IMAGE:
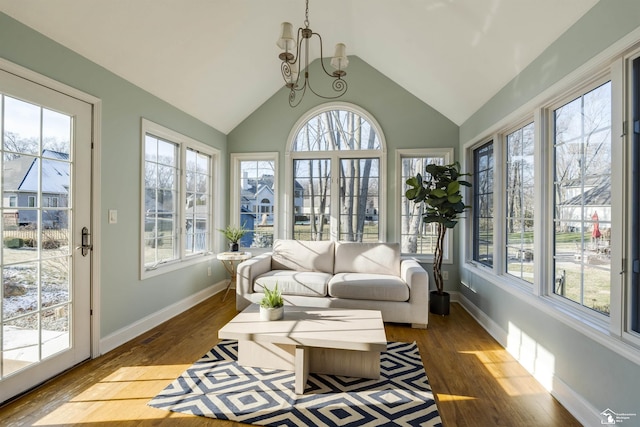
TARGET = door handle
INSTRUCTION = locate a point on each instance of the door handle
(86, 245)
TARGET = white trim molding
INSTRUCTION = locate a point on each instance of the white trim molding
(149, 322)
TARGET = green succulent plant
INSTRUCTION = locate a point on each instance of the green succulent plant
(272, 298)
(233, 233)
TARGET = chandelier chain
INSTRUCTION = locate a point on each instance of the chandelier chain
(306, 15)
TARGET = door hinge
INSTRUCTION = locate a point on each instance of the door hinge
(91, 312)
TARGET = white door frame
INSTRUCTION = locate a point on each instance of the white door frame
(95, 220)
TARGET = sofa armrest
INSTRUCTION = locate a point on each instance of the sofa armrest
(417, 279)
(247, 271)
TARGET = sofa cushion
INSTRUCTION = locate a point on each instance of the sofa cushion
(366, 286)
(376, 258)
(306, 283)
(302, 256)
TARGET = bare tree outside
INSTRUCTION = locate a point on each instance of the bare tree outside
(343, 135)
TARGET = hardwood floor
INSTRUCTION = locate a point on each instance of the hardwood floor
(475, 381)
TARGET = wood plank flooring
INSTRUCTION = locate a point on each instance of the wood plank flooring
(475, 381)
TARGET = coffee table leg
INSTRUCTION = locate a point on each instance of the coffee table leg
(301, 368)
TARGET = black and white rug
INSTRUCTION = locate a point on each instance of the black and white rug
(217, 387)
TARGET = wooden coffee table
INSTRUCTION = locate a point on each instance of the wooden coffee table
(320, 340)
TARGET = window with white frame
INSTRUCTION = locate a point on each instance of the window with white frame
(519, 202)
(633, 322)
(483, 204)
(581, 132)
(344, 142)
(587, 220)
(254, 197)
(177, 198)
(416, 236)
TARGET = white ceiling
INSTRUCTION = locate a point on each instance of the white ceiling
(217, 59)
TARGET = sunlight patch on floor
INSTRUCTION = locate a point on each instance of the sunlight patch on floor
(121, 396)
(508, 373)
(453, 397)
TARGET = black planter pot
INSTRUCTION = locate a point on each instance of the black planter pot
(439, 303)
(233, 247)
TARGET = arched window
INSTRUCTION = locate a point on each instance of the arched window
(342, 141)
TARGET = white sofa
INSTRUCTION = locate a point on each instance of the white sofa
(339, 274)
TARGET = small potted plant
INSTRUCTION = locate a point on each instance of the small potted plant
(441, 195)
(271, 304)
(233, 235)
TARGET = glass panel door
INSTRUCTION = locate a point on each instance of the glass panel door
(45, 164)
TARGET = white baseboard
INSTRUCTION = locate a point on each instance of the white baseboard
(582, 410)
(149, 322)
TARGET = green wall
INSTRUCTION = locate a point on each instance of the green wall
(124, 298)
(602, 377)
(406, 122)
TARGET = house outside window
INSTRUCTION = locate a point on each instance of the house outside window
(417, 237)
(254, 197)
(582, 198)
(483, 204)
(177, 199)
(520, 202)
(336, 172)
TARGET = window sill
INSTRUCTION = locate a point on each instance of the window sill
(175, 265)
(589, 326)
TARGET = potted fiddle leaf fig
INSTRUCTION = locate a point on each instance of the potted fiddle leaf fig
(440, 192)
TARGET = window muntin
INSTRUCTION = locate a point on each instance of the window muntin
(520, 203)
(160, 202)
(343, 142)
(177, 201)
(359, 200)
(198, 202)
(256, 199)
(312, 207)
(416, 236)
(582, 199)
(483, 204)
(337, 129)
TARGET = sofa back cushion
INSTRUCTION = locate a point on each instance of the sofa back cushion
(302, 256)
(373, 258)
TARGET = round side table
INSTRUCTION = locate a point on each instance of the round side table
(230, 260)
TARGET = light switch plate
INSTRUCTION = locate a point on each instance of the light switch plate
(113, 216)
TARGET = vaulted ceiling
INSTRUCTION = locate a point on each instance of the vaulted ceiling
(217, 59)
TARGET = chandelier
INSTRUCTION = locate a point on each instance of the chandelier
(292, 64)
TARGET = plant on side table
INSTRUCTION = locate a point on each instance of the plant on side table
(271, 304)
(442, 198)
(233, 235)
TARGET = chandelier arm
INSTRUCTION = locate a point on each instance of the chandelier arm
(322, 58)
(292, 96)
(338, 85)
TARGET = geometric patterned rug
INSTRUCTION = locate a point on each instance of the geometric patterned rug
(217, 387)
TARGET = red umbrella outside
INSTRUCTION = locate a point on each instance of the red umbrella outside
(595, 233)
